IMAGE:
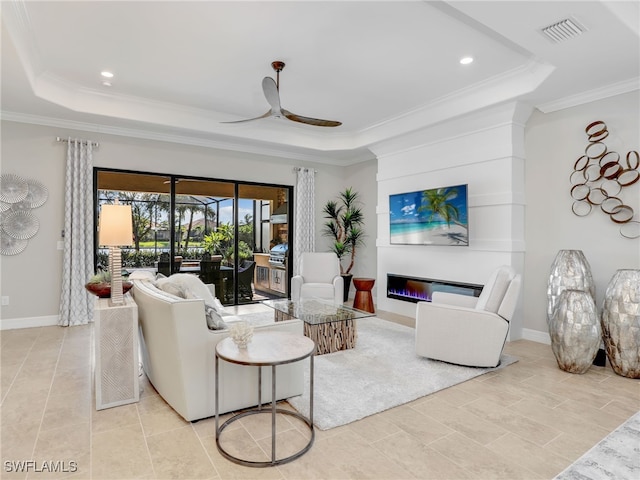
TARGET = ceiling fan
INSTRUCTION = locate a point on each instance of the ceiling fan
(271, 90)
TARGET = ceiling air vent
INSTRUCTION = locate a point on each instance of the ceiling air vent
(563, 30)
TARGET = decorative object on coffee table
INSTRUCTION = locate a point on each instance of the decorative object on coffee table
(575, 331)
(363, 299)
(621, 322)
(332, 327)
(569, 270)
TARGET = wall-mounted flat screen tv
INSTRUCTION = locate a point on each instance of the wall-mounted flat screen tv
(438, 216)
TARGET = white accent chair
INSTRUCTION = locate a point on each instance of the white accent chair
(319, 278)
(469, 330)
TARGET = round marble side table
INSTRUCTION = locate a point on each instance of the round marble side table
(363, 299)
(266, 349)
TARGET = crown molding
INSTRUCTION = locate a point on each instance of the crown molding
(341, 158)
(496, 90)
(591, 95)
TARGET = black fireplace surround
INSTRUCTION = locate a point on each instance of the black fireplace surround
(415, 289)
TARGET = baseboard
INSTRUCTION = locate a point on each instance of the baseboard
(28, 322)
(536, 336)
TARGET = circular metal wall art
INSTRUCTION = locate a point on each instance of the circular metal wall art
(598, 178)
(611, 187)
(610, 205)
(580, 192)
(13, 188)
(622, 214)
(581, 209)
(595, 150)
(10, 245)
(581, 163)
(630, 230)
(37, 195)
(592, 173)
(595, 129)
(21, 224)
(597, 196)
(628, 177)
(18, 223)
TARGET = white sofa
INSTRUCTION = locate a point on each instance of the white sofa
(178, 357)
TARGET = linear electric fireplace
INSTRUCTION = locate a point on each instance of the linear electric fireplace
(415, 289)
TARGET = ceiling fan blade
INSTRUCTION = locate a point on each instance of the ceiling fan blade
(268, 114)
(310, 121)
(270, 90)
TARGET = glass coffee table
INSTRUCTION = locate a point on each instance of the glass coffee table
(332, 327)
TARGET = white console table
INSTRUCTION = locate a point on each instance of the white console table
(116, 350)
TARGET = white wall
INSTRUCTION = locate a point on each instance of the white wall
(484, 151)
(31, 279)
(553, 143)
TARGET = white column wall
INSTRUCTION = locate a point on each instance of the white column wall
(484, 151)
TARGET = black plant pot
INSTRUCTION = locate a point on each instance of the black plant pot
(347, 285)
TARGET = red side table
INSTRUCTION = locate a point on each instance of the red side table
(363, 299)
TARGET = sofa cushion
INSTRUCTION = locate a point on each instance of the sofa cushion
(185, 285)
(317, 290)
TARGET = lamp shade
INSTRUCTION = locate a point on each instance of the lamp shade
(116, 226)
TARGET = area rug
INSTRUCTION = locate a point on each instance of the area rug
(382, 372)
(617, 456)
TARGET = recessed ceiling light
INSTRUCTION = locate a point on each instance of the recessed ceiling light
(106, 74)
(106, 83)
(466, 60)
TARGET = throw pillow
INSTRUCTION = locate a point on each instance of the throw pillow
(187, 281)
(142, 275)
(193, 287)
(214, 322)
(167, 286)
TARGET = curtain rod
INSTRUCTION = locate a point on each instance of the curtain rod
(84, 142)
(297, 169)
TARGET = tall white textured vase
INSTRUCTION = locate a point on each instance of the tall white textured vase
(569, 270)
(621, 323)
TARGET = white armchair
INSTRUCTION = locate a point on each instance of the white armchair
(467, 330)
(319, 278)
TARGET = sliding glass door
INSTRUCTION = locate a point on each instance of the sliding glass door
(231, 234)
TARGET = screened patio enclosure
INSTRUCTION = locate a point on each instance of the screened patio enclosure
(219, 230)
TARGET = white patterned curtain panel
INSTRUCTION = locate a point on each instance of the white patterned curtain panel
(305, 218)
(76, 305)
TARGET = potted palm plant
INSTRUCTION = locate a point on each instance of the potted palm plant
(344, 226)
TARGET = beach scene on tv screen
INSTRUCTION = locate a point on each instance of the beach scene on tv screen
(436, 216)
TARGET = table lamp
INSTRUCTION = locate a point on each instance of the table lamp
(116, 230)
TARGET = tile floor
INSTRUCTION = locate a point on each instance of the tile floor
(527, 421)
